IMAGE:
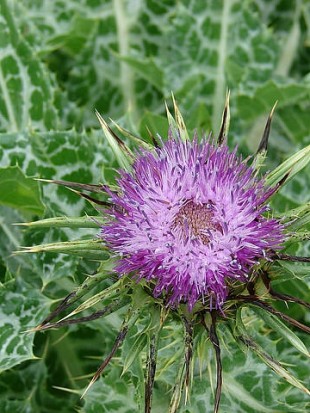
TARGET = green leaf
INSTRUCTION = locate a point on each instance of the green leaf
(64, 155)
(292, 166)
(138, 346)
(147, 69)
(299, 236)
(273, 364)
(299, 217)
(265, 96)
(276, 366)
(292, 121)
(116, 393)
(294, 192)
(157, 125)
(288, 270)
(234, 28)
(32, 382)
(23, 309)
(282, 330)
(20, 192)
(27, 93)
(295, 213)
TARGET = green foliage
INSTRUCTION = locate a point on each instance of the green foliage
(23, 308)
(17, 191)
(61, 60)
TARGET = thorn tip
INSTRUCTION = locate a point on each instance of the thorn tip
(264, 140)
(225, 121)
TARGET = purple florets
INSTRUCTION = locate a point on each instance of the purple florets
(189, 217)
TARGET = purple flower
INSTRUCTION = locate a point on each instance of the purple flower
(190, 217)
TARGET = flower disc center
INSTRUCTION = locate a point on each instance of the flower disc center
(196, 220)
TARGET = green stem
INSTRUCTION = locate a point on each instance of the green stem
(126, 75)
(220, 82)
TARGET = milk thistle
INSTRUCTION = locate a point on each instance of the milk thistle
(190, 235)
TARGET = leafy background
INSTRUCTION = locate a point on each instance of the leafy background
(59, 61)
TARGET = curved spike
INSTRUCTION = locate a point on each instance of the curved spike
(130, 135)
(117, 343)
(255, 301)
(264, 140)
(88, 284)
(285, 257)
(225, 121)
(290, 298)
(69, 184)
(93, 200)
(173, 127)
(121, 151)
(179, 120)
(155, 142)
(275, 188)
(65, 303)
(283, 297)
(117, 138)
(94, 316)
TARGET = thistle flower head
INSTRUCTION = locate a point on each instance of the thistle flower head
(190, 217)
